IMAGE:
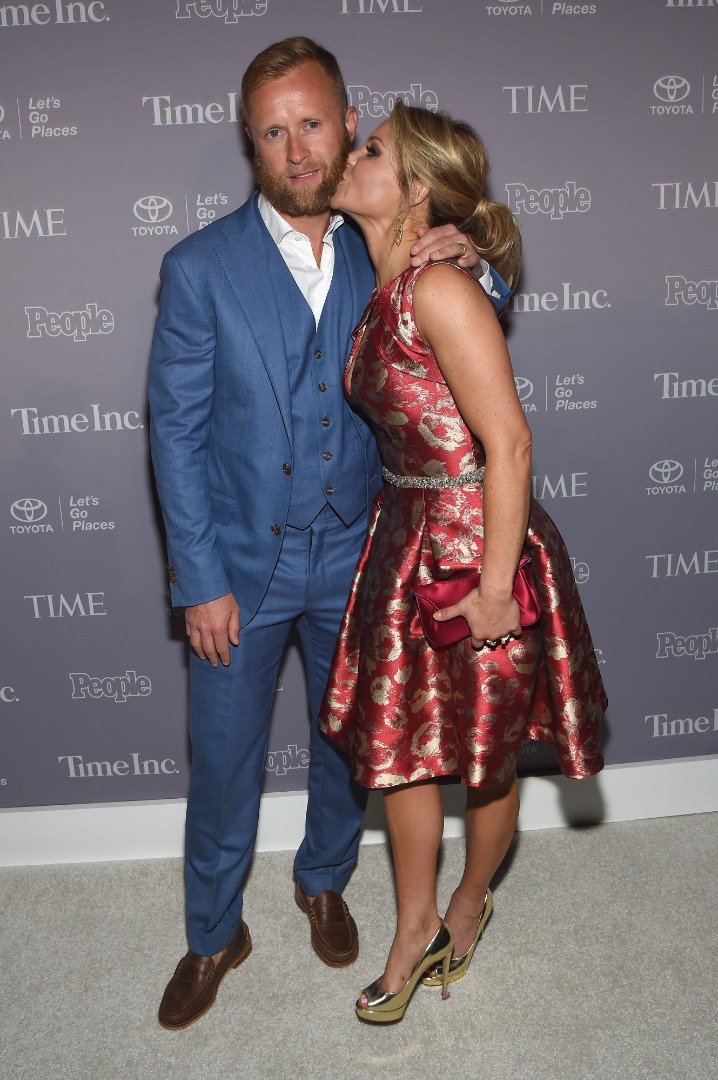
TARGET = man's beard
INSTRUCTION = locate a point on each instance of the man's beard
(299, 201)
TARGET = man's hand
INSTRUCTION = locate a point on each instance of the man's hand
(444, 242)
(212, 627)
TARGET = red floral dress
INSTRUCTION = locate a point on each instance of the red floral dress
(400, 709)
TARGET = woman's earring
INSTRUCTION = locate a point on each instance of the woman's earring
(398, 231)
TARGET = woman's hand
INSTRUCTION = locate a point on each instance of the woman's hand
(489, 618)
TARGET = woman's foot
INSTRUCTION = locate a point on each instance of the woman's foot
(463, 953)
(463, 919)
(377, 1005)
(406, 951)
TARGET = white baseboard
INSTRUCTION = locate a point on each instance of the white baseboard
(155, 830)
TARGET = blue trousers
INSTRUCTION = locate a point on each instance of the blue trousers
(230, 711)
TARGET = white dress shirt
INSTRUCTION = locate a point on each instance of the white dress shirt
(295, 248)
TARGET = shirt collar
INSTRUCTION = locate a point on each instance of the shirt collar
(279, 229)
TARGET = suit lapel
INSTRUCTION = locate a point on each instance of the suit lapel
(243, 260)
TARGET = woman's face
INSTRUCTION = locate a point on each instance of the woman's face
(369, 188)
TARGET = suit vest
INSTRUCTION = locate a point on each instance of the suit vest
(328, 452)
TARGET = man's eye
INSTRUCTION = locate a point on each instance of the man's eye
(272, 133)
(371, 151)
(313, 124)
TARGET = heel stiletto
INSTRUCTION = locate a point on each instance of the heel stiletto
(382, 1007)
(460, 964)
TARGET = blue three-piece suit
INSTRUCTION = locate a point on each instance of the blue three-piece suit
(265, 476)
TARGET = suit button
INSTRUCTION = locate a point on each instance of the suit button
(329, 490)
(317, 354)
(327, 455)
(322, 386)
(276, 530)
(326, 421)
(287, 469)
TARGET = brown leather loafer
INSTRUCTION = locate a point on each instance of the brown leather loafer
(334, 933)
(195, 983)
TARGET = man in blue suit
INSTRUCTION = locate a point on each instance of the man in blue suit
(265, 476)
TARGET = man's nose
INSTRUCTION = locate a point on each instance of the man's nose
(296, 149)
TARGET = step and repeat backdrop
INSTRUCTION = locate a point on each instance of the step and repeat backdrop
(119, 135)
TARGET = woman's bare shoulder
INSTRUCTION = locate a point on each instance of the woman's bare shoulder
(446, 293)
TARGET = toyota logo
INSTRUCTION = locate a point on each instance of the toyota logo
(28, 510)
(665, 472)
(524, 388)
(2, 114)
(671, 88)
(152, 209)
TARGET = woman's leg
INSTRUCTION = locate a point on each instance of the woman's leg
(416, 823)
(491, 815)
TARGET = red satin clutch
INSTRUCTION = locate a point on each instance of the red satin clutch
(441, 594)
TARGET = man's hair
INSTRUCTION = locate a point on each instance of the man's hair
(283, 57)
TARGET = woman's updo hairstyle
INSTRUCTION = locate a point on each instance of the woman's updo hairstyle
(449, 158)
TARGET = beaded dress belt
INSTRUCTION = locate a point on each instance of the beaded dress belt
(473, 476)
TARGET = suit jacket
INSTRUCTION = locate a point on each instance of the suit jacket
(220, 409)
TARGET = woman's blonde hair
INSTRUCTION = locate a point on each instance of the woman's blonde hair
(449, 158)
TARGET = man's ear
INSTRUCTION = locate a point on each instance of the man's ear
(351, 120)
(248, 133)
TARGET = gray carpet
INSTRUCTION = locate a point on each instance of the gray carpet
(600, 961)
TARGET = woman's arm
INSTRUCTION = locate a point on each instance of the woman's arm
(457, 320)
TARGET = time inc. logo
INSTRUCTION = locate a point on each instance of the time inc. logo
(62, 423)
(79, 769)
(61, 13)
(672, 386)
(686, 725)
(569, 299)
(167, 114)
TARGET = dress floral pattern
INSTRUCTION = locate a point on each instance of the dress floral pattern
(399, 708)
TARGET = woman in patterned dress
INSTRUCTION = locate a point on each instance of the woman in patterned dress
(431, 371)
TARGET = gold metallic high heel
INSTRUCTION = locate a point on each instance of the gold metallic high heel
(382, 1007)
(460, 964)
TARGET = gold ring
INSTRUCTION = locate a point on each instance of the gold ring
(463, 251)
